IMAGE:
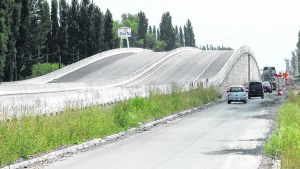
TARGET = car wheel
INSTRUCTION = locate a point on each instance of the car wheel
(229, 102)
(262, 97)
(249, 97)
(245, 101)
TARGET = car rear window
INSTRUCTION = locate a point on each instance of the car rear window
(236, 89)
(266, 83)
(255, 85)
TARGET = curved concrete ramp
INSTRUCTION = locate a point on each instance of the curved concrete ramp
(104, 56)
(139, 67)
(239, 69)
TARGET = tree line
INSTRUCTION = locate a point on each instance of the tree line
(296, 55)
(32, 31)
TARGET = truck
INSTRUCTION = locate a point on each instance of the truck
(269, 75)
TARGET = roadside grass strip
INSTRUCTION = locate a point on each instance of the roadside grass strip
(44, 68)
(284, 142)
(30, 136)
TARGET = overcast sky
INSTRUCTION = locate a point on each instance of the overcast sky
(269, 27)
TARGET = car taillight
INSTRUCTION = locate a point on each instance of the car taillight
(243, 89)
(269, 87)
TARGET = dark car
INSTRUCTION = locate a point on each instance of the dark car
(274, 85)
(268, 87)
(256, 89)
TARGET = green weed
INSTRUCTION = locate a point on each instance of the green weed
(44, 68)
(28, 135)
(284, 142)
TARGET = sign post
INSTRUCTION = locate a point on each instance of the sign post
(124, 33)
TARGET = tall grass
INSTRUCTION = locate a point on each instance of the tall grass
(284, 143)
(44, 68)
(29, 135)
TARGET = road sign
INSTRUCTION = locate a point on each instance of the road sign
(124, 32)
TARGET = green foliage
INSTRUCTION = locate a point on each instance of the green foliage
(108, 31)
(44, 68)
(181, 37)
(150, 41)
(29, 135)
(189, 36)
(142, 27)
(212, 47)
(285, 140)
(167, 32)
(73, 25)
(53, 43)
(24, 42)
(3, 43)
(63, 29)
(131, 21)
(159, 46)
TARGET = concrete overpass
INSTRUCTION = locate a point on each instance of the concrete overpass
(121, 73)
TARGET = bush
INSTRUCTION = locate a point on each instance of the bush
(44, 68)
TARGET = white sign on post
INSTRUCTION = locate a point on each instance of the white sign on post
(124, 32)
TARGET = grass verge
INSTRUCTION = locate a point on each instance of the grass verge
(284, 142)
(44, 68)
(28, 135)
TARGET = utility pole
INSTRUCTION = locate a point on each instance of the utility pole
(39, 54)
(59, 58)
(73, 55)
(10, 68)
(297, 63)
(77, 55)
(16, 68)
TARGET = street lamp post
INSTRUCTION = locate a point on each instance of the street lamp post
(296, 63)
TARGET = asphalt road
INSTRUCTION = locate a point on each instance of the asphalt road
(223, 136)
(110, 68)
(181, 68)
(185, 67)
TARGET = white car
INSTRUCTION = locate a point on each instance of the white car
(237, 94)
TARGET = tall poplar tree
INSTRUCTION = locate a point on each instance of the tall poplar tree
(63, 30)
(108, 34)
(84, 27)
(189, 34)
(23, 40)
(181, 36)
(53, 46)
(97, 31)
(167, 32)
(142, 27)
(3, 38)
(73, 26)
(12, 23)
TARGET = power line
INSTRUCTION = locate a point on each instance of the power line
(257, 34)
